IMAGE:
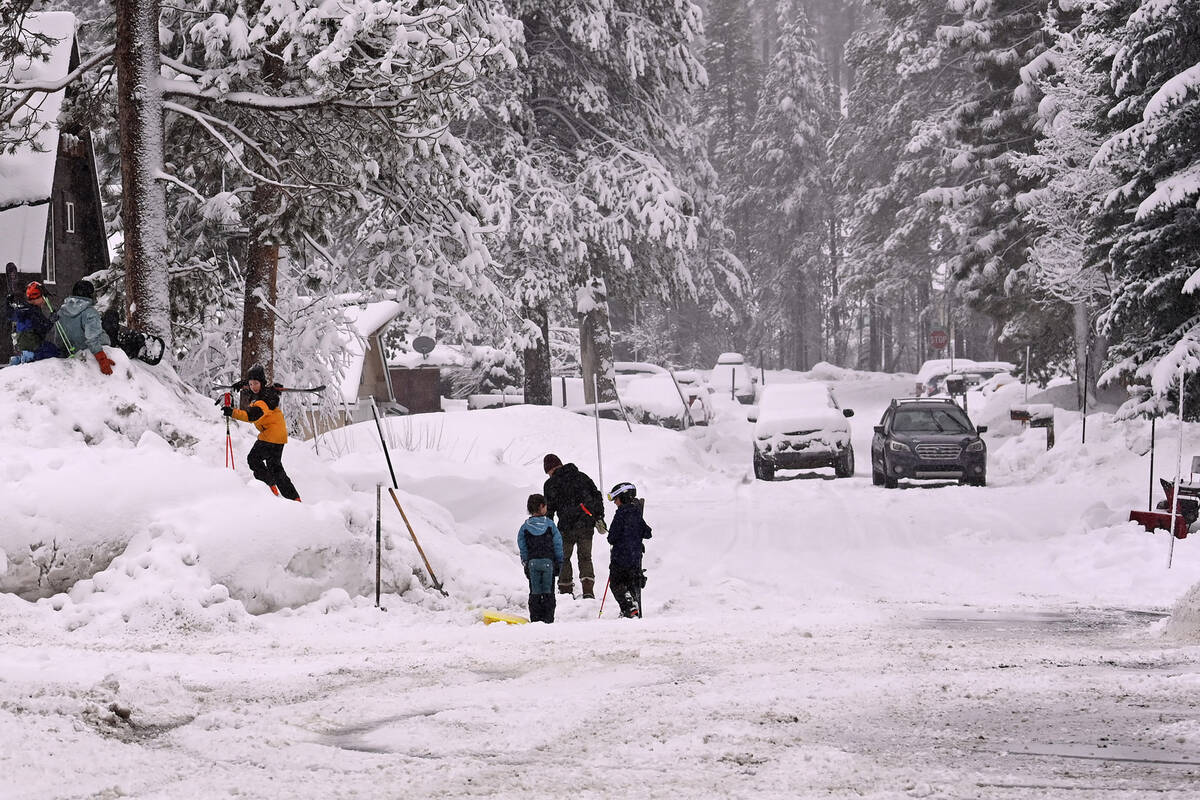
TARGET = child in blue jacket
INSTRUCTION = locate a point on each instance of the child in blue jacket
(541, 549)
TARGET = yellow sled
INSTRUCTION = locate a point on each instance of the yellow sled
(499, 616)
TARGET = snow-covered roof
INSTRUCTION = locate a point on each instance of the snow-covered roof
(366, 320)
(27, 174)
(443, 355)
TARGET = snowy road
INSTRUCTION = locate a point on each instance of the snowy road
(804, 638)
(921, 702)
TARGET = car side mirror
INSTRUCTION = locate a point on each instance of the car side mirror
(981, 429)
(879, 429)
(847, 412)
(752, 414)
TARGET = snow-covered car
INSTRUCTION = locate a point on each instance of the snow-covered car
(731, 375)
(655, 399)
(651, 395)
(800, 426)
(997, 381)
(935, 370)
(698, 394)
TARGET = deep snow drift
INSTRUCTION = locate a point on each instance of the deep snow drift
(179, 631)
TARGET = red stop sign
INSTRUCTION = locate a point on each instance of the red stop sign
(939, 339)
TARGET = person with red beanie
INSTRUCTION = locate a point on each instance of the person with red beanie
(579, 505)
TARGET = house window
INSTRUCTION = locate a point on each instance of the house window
(50, 245)
(70, 216)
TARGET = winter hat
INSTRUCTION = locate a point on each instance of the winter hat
(257, 373)
(627, 489)
(33, 291)
(84, 289)
(550, 462)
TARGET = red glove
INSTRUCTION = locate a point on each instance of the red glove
(106, 363)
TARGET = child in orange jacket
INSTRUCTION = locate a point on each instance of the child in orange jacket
(266, 456)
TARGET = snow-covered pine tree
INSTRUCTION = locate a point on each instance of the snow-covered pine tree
(607, 85)
(887, 155)
(1154, 316)
(997, 118)
(328, 130)
(787, 197)
(1065, 261)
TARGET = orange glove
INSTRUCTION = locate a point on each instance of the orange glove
(106, 363)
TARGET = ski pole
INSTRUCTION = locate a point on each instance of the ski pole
(605, 597)
(227, 402)
(436, 584)
(383, 443)
(62, 334)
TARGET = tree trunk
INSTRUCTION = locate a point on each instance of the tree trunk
(874, 361)
(538, 390)
(595, 341)
(143, 207)
(262, 274)
(835, 311)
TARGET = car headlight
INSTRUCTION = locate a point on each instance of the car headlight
(899, 447)
(975, 446)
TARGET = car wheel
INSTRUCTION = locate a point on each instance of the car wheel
(889, 482)
(876, 476)
(844, 468)
(763, 470)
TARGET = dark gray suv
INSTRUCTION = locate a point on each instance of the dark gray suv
(927, 438)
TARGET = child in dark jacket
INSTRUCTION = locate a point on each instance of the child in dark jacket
(541, 549)
(626, 533)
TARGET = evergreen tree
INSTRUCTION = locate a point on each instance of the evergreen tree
(1066, 262)
(1154, 214)
(786, 199)
(995, 119)
(596, 142)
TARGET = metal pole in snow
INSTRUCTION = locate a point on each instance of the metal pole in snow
(1150, 493)
(596, 412)
(1087, 364)
(1178, 471)
(1026, 373)
(378, 537)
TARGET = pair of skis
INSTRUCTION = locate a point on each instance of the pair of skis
(276, 387)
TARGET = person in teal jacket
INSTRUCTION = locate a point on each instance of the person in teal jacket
(79, 325)
(541, 546)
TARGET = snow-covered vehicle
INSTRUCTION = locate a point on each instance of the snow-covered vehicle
(731, 375)
(935, 370)
(651, 395)
(698, 394)
(931, 379)
(801, 426)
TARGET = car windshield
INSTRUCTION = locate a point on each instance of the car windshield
(931, 420)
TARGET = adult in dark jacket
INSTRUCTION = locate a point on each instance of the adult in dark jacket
(79, 325)
(541, 548)
(626, 534)
(568, 493)
(31, 324)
